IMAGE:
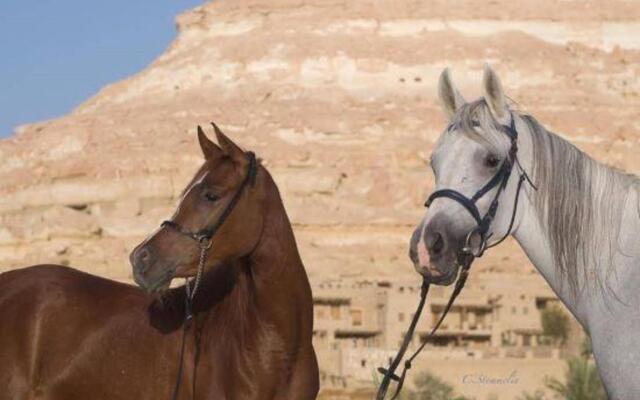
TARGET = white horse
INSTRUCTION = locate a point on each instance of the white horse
(579, 228)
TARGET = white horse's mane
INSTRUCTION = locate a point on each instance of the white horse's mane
(579, 202)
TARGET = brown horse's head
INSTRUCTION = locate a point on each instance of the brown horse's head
(225, 196)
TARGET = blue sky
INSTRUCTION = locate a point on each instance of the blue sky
(55, 54)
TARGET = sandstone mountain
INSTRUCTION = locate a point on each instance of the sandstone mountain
(339, 99)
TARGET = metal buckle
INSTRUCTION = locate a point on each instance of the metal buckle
(204, 242)
(469, 249)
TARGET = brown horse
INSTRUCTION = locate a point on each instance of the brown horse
(69, 335)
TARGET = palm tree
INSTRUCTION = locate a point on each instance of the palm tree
(582, 382)
(537, 395)
(555, 325)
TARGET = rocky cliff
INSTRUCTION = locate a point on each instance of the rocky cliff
(338, 97)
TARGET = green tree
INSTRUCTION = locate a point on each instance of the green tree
(555, 324)
(585, 348)
(429, 387)
(537, 395)
(582, 382)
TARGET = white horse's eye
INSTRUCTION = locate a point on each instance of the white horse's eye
(491, 161)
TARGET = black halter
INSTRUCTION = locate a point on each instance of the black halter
(499, 180)
(467, 256)
(204, 238)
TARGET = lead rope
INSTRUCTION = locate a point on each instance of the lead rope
(205, 245)
(389, 374)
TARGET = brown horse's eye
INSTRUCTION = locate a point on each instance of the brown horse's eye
(211, 196)
(491, 161)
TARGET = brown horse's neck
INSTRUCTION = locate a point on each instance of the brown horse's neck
(275, 262)
(276, 253)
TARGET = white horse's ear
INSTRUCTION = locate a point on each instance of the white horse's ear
(450, 99)
(493, 93)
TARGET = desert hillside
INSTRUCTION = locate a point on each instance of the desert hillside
(339, 99)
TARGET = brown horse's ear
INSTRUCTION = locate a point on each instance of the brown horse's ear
(209, 149)
(228, 147)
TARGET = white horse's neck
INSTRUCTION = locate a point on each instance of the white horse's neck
(533, 241)
(590, 302)
(609, 312)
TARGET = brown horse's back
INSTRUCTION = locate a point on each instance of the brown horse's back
(68, 335)
(57, 324)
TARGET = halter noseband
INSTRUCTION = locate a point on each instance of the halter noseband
(499, 180)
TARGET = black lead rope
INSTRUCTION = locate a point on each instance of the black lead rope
(389, 374)
(188, 316)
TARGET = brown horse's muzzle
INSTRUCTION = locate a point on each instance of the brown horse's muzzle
(146, 271)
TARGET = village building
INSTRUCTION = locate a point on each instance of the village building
(359, 324)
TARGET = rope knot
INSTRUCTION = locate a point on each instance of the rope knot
(407, 364)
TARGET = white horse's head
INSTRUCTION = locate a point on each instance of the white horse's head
(471, 151)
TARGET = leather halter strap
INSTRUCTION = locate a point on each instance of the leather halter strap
(458, 197)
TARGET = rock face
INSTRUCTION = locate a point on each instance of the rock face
(338, 97)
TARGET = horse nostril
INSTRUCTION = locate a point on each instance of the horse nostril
(438, 245)
(434, 242)
(143, 259)
(144, 255)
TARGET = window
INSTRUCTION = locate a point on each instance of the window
(513, 310)
(356, 317)
(363, 363)
(335, 312)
